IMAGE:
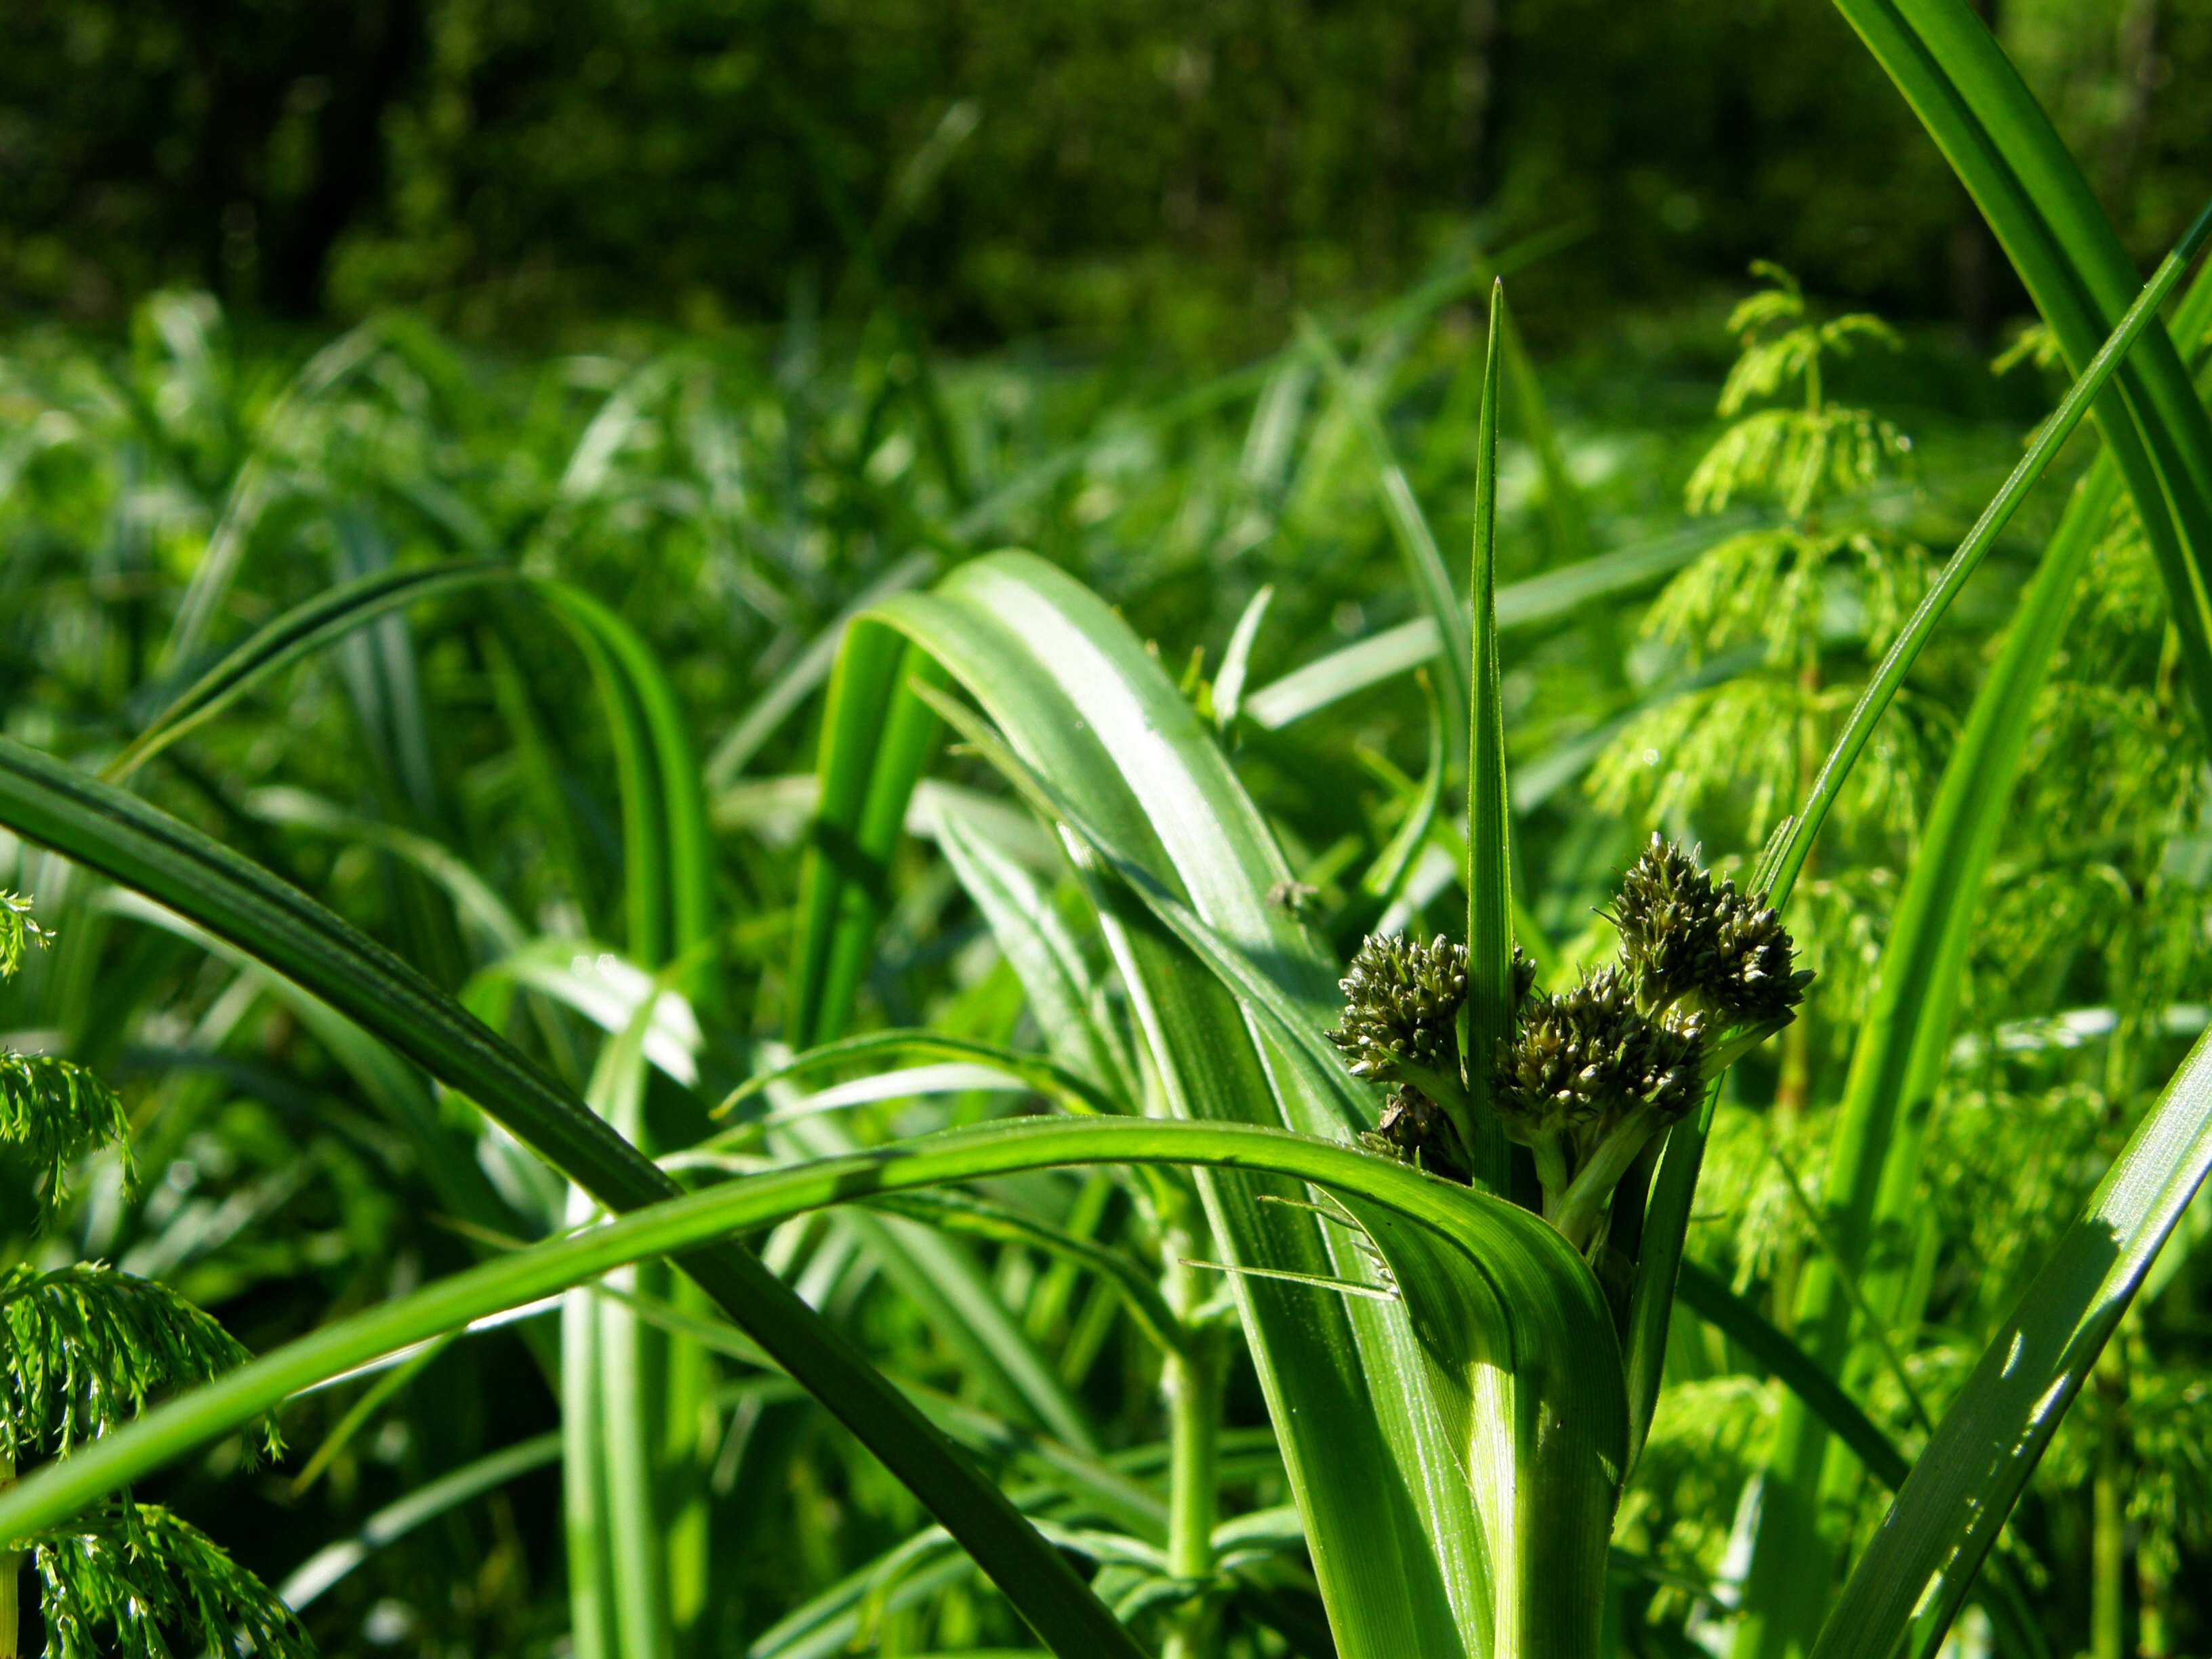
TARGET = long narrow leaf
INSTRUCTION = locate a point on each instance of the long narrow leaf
(1481, 1227)
(1777, 872)
(1950, 69)
(1910, 1584)
(141, 848)
(1489, 818)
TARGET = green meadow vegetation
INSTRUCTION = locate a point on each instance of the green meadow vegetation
(779, 991)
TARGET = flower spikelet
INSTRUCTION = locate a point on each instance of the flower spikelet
(1401, 1003)
(1752, 952)
(1666, 919)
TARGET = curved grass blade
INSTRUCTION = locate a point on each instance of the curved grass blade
(1485, 1230)
(327, 1566)
(1237, 659)
(1898, 1060)
(306, 627)
(141, 848)
(2004, 149)
(1785, 856)
(876, 737)
(1907, 1587)
(1048, 1078)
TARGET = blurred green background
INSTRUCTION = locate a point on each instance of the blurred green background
(1198, 166)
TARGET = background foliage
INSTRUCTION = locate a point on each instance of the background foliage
(730, 315)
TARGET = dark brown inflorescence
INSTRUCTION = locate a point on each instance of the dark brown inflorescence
(1688, 940)
(1401, 1004)
(1584, 1060)
(1590, 1074)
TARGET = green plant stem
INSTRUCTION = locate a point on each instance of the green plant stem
(1191, 1381)
(11, 1575)
(1583, 1205)
(2108, 1545)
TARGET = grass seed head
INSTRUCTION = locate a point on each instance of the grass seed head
(1401, 1003)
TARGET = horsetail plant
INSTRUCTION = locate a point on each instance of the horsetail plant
(88, 1348)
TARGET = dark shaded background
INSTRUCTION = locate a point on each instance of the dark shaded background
(1180, 163)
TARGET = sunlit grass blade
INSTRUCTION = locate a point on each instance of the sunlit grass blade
(307, 628)
(1950, 70)
(1048, 1076)
(1489, 816)
(1237, 659)
(876, 737)
(1409, 526)
(1906, 1589)
(1486, 1229)
(1873, 1166)
(141, 848)
(1538, 599)
(1785, 857)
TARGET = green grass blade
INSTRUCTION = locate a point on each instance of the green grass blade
(1486, 1229)
(308, 627)
(1898, 1060)
(876, 737)
(1409, 527)
(1237, 659)
(141, 848)
(1489, 816)
(1910, 1584)
(1071, 1090)
(1777, 872)
(677, 811)
(1536, 600)
(1981, 113)
(327, 1566)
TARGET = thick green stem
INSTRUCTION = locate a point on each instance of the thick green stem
(1582, 1206)
(2108, 1534)
(1192, 1384)
(11, 1574)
